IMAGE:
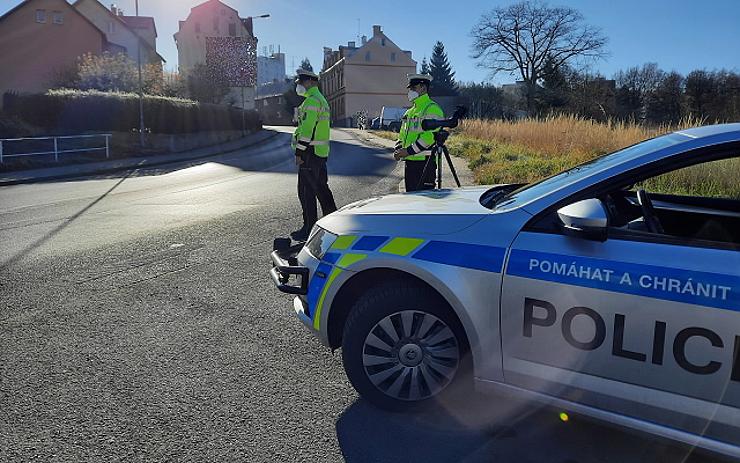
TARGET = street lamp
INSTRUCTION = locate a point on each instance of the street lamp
(141, 87)
(244, 122)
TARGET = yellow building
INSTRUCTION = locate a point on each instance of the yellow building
(214, 34)
(365, 78)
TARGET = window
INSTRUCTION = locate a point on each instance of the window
(232, 30)
(197, 27)
(393, 57)
(41, 16)
(111, 27)
(367, 56)
(58, 17)
(695, 205)
(382, 41)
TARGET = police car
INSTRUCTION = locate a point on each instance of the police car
(584, 290)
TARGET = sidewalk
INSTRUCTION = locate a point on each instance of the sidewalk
(461, 165)
(111, 166)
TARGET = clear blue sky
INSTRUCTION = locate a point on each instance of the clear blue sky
(679, 35)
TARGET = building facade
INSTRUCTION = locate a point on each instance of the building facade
(118, 31)
(216, 36)
(363, 79)
(271, 68)
(40, 38)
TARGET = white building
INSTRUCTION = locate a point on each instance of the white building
(271, 68)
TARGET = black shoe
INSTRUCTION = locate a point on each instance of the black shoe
(300, 235)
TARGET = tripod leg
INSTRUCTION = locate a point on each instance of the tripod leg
(438, 159)
(452, 166)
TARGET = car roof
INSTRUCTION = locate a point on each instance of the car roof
(731, 131)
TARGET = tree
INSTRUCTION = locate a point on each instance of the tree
(443, 78)
(424, 66)
(664, 104)
(107, 73)
(484, 100)
(207, 85)
(634, 87)
(306, 65)
(521, 38)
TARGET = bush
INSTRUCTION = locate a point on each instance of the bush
(74, 111)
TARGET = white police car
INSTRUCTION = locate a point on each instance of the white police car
(581, 290)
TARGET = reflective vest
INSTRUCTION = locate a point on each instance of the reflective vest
(412, 137)
(313, 124)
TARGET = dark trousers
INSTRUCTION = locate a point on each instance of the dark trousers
(313, 183)
(412, 175)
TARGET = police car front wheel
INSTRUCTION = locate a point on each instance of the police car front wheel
(403, 348)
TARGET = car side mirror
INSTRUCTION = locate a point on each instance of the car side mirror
(585, 219)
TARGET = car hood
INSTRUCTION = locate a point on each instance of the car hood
(429, 212)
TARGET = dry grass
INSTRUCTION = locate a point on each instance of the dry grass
(529, 150)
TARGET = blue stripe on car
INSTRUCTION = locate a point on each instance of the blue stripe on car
(486, 258)
(668, 283)
(316, 285)
(369, 243)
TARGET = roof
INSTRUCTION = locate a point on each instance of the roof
(66, 5)
(121, 21)
(140, 22)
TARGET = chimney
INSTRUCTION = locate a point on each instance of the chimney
(377, 30)
(364, 39)
(114, 9)
(351, 44)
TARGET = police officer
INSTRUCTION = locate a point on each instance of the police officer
(311, 145)
(414, 143)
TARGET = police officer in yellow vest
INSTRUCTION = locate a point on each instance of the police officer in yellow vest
(311, 145)
(414, 143)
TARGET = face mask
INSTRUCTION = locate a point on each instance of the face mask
(300, 90)
(413, 95)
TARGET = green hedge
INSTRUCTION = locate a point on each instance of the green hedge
(65, 111)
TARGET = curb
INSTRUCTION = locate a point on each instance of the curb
(134, 166)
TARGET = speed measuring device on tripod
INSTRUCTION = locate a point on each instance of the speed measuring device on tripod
(583, 290)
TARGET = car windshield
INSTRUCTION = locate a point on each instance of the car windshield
(532, 191)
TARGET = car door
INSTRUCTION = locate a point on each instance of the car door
(643, 326)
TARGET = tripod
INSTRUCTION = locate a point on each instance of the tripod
(438, 149)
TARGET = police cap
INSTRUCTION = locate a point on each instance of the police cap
(415, 79)
(304, 74)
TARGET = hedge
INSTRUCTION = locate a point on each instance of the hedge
(65, 111)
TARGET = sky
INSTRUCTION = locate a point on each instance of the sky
(679, 35)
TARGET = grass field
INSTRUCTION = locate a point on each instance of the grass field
(531, 149)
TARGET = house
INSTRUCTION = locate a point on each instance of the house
(123, 32)
(40, 39)
(365, 78)
(273, 110)
(216, 36)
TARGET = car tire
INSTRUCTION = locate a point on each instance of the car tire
(404, 349)
(394, 127)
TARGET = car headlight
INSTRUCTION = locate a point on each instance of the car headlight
(319, 242)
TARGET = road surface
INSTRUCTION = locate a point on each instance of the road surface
(138, 323)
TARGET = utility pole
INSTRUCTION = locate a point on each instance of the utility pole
(141, 87)
(244, 122)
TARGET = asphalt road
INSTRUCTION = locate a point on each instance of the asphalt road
(138, 323)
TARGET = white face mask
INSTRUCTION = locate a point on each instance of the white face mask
(413, 95)
(300, 90)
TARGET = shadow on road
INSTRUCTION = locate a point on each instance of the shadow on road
(492, 429)
(348, 158)
(60, 227)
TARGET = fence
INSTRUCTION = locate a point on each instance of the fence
(48, 142)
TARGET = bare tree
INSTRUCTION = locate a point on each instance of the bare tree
(523, 37)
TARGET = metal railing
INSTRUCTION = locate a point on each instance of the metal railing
(4, 144)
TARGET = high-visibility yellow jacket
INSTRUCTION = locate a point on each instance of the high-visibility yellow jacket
(313, 124)
(412, 137)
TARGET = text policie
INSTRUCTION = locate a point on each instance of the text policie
(547, 316)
